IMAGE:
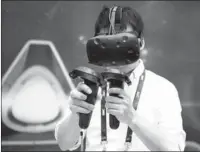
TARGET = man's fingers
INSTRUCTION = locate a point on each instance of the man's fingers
(83, 104)
(112, 99)
(83, 87)
(113, 106)
(79, 109)
(113, 112)
(115, 100)
(75, 94)
(118, 91)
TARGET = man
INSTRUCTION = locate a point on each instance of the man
(157, 122)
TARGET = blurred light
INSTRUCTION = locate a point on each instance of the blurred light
(82, 39)
(144, 52)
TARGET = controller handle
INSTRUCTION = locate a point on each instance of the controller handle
(91, 79)
(116, 79)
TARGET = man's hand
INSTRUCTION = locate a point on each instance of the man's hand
(121, 106)
(77, 99)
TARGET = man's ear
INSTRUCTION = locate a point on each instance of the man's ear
(141, 42)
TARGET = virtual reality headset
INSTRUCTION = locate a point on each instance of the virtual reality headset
(107, 50)
(113, 49)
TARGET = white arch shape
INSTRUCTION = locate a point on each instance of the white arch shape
(26, 48)
(9, 91)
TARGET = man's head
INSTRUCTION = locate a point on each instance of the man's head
(129, 17)
(127, 20)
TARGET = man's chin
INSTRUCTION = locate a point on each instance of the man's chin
(122, 69)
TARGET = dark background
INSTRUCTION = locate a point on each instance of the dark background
(172, 31)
